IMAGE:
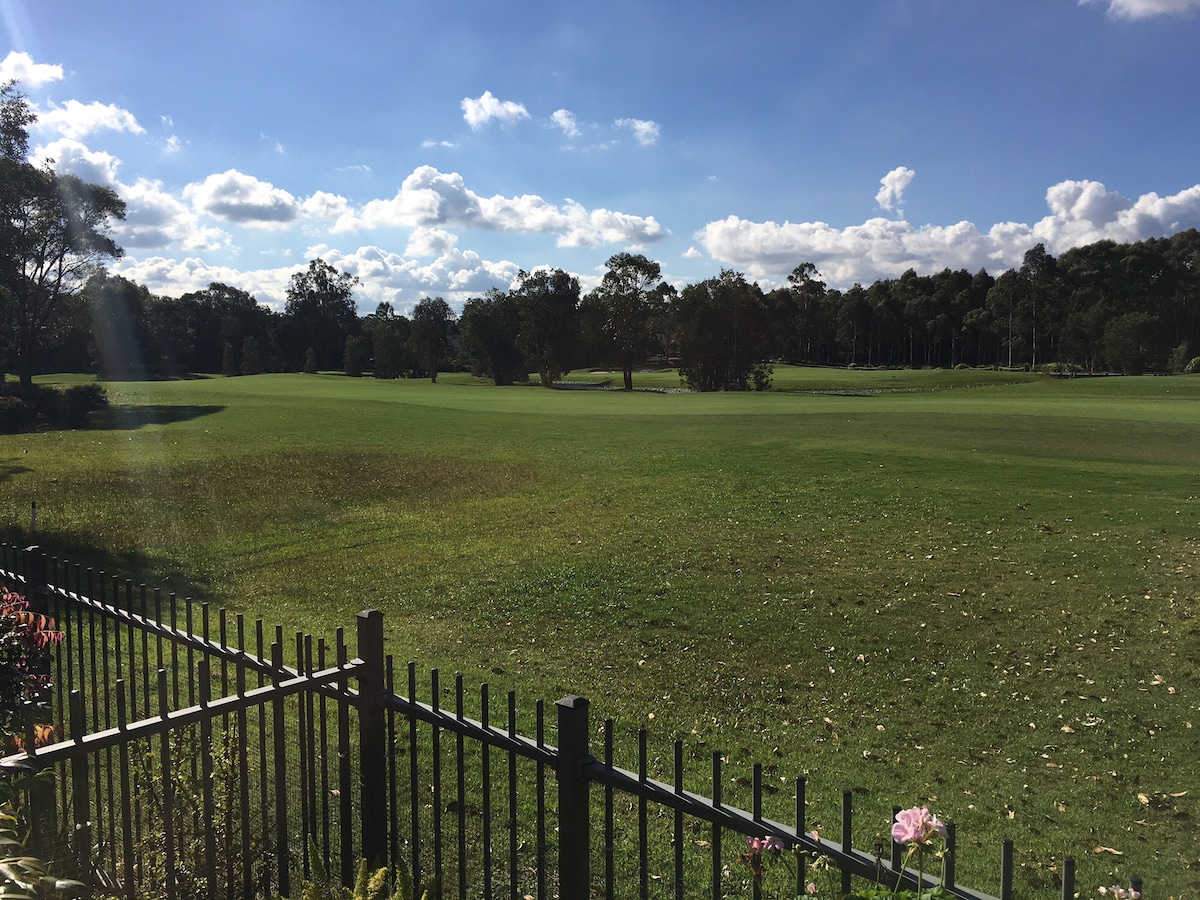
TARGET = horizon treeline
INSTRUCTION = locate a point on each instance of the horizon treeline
(1102, 307)
(1126, 308)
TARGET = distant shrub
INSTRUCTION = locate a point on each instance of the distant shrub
(1178, 359)
(1060, 368)
(46, 407)
(79, 400)
(15, 414)
(760, 376)
(1193, 366)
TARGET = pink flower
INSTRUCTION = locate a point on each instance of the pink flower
(768, 844)
(810, 888)
(917, 826)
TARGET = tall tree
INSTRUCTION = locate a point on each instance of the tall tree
(1039, 299)
(548, 304)
(629, 306)
(320, 305)
(491, 331)
(120, 339)
(722, 332)
(54, 233)
(429, 338)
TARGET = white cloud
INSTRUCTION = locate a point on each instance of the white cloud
(154, 218)
(276, 146)
(565, 119)
(76, 120)
(94, 166)
(1144, 9)
(387, 277)
(429, 198)
(173, 278)
(479, 112)
(243, 199)
(444, 145)
(22, 68)
(426, 242)
(644, 131)
(327, 207)
(891, 194)
(1081, 212)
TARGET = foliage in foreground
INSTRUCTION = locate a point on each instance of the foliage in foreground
(23, 876)
(369, 885)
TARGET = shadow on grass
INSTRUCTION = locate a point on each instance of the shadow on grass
(131, 418)
(7, 472)
(80, 567)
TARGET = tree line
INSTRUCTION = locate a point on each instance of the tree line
(1102, 307)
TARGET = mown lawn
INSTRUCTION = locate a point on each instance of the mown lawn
(976, 590)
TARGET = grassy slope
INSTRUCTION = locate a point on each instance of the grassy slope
(969, 589)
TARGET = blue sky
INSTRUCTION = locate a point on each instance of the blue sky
(435, 148)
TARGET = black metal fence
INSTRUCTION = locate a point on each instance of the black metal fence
(202, 755)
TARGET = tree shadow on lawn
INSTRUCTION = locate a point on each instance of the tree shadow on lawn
(131, 418)
(7, 472)
(92, 570)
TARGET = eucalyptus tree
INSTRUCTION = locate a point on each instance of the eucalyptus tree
(490, 327)
(320, 309)
(630, 307)
(429, 338)
(722, 329)
(548, 306)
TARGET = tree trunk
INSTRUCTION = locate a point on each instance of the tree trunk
(628, 377)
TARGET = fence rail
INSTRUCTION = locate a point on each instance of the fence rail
(205, 761)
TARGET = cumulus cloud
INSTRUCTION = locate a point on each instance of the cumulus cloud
(894, 183)
(72, 157)
(1144, 9)
(328, 207)
(484, 109)
(76, 120)
(154, 218)
(243, 199)
(426, 242)
(388, 277)
(565, 119)
(21, 67)
(174, 277)
(1081, 212)
(429, 198)
(645, 132)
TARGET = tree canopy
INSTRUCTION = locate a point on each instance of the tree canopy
(55, 233)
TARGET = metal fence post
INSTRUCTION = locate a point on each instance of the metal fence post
(372, 738)
(574, 825)
(43, 813)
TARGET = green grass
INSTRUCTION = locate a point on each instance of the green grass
(971, 589)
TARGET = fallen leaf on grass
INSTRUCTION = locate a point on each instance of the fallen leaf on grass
(1100, 850)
